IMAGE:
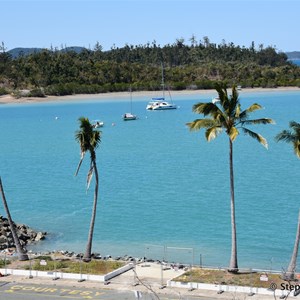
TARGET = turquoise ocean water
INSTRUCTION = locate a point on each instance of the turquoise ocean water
(296, 61)
(160, 185)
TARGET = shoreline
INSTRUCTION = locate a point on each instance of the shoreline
(8, 99)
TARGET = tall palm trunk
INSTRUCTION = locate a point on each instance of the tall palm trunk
(88, 252)
(290, 273)
(21, 252)
(233, 265)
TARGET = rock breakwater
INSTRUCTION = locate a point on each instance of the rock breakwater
(26, 234)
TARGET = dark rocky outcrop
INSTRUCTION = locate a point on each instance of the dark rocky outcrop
(26, 234)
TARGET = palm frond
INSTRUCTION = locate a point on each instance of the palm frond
(96, 138)
(235, 94)
(297, 148)
(84, 123)
(257, 121)
(233, 103)
(245, 113)
(206, 108)
(78, 136)
(233, 133)
(201, 123)
(294, 124)
(253, 107)
(221, 118)
(256, 136)
(81, 139)
(237, 111)
(296, 127)
(222, 93)
(80, 162)
(286, 136)
(89, 177)
(212, 132)
(291, 136)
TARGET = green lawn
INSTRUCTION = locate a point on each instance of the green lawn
(223, 277)
(95, 267)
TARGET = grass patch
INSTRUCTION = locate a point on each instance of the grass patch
(96, 267)
(226, 278)
(3, 263)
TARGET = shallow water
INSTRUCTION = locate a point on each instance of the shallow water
(160, 185)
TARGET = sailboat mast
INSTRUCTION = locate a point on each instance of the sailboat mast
(162, 80)
(130, 90)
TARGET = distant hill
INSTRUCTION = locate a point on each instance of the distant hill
(293, 55)
(23, 51)
(27, 51)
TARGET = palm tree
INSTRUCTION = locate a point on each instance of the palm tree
(292, 136)
(89, 140)
(290, 273)
(21, 252)
(226, 114)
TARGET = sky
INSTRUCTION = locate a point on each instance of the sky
(65, 23)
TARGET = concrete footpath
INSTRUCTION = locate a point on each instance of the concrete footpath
(147, 278)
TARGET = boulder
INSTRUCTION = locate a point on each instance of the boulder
(25, 233)
(40, 236)
(3, 239)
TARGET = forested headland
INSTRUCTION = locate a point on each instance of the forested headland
(196, 65)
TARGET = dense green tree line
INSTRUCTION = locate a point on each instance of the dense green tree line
(195, 66)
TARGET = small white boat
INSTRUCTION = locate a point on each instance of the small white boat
(97, 124)
(161, 103)
(215, 100)
(129, 117)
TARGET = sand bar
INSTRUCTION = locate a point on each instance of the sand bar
(8, 99)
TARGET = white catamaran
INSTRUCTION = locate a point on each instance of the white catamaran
(160, 103)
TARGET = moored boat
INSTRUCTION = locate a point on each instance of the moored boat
(98, 123)
(161, 103)
(129, 117)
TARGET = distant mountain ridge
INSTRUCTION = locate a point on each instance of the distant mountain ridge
(293, 55)
(16, 52)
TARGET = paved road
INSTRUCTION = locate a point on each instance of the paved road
(27, 291)
(16, 291)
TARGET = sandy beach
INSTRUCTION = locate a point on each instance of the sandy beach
(8, 99)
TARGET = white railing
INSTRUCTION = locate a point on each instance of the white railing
(76, 276)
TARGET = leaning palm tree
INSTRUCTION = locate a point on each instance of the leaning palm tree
(292, 136)
(226, 115)
(20, 250)
(89, 140)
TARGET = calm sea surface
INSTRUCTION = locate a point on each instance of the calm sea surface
(296, 61)
(160, 185)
